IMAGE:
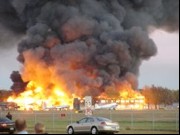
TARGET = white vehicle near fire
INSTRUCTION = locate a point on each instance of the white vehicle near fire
(93, 125)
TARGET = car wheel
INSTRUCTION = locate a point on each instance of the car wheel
(94, 130)
(11, 132)
(70, 130)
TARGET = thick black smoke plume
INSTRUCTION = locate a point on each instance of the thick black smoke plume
(18, 84)
(107, 39)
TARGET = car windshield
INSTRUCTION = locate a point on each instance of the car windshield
(103, 119)
(5, 120)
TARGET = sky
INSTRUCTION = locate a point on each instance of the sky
(160, 70)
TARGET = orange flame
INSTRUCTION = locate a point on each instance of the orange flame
(127, 97)
(46, 87)
(34, 98)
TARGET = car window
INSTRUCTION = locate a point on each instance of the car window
(103, 119)
(5, 120)
(90, 120)
(83, 120)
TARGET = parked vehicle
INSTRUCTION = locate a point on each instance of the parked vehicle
(7, 125)
(8, 106)
(93, 125)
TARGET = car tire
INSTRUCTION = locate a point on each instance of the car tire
(11, 132)
(94, 130)
(111, 133)
(70, 130)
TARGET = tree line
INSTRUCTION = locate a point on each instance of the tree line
(4, 94)
(160, 96)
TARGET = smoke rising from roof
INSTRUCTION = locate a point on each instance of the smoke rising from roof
(91, 44)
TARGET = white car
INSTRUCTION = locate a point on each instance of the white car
(93, 125)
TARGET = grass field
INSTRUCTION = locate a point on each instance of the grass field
(131, 122)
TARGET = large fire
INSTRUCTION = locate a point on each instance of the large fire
(36, 96)
(70, 48)
(48, 89)
(127, 98)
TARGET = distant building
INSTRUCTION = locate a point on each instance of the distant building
(8, 106)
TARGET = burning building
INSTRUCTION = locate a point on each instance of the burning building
(126, 98)
(74, 48)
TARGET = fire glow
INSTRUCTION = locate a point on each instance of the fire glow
(35, 96)
(83, 47)
(52, 89)
(127, 98)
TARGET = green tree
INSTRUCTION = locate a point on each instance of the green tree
(4, 94)
(158, 95)
(175, 96)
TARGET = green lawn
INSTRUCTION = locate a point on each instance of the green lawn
(131, 122)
